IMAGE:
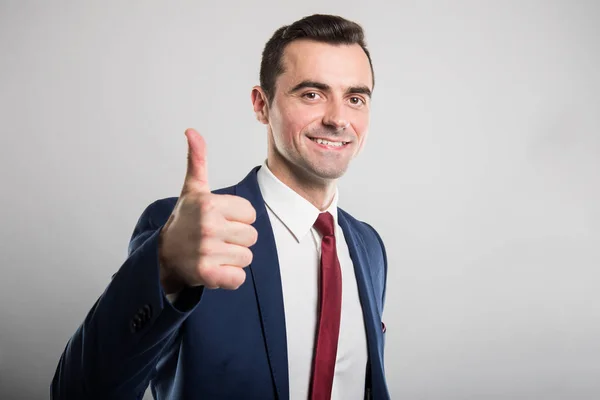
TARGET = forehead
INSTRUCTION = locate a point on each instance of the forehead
(336, 65)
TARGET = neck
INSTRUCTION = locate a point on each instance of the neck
(318, 192)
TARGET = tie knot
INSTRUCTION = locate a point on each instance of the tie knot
(324, 224)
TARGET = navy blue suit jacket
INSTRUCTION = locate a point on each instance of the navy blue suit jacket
(209, 344)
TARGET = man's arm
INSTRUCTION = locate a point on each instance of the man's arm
(202, 241)
(385, 270)
(114, 352)
(385, 265)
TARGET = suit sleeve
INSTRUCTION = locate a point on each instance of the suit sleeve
(385, 264)
(114, 352)
(384, 277)
(385, 269)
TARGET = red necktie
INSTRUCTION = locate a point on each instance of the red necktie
(330, 307)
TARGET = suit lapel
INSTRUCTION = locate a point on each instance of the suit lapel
(266, 278)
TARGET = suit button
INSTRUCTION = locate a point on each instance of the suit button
(140, 318)
(146, 311)
(134, 326)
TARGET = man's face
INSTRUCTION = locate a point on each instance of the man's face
(318, 120)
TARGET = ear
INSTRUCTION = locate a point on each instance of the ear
(260, 104)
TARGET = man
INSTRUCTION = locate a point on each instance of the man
(262, 290)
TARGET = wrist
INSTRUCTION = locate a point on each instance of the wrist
(169, 279)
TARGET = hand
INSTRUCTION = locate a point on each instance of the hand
(206, 239)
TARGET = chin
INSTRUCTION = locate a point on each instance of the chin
(329, 173)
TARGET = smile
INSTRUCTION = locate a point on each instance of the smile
(328, 143)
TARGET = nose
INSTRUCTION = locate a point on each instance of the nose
(334, 116)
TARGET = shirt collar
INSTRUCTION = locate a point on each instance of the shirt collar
(293, 210)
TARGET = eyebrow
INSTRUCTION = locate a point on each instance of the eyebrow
(325, 87)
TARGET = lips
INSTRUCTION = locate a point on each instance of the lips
(329, 145)
(330, 142)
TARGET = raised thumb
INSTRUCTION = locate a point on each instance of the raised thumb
(196, 178)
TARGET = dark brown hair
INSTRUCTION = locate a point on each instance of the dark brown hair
(329, 29)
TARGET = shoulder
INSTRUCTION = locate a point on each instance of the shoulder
(156, 213)
(374, 249)
(365, 230)
(371, 239)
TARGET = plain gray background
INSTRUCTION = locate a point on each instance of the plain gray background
(481, 173)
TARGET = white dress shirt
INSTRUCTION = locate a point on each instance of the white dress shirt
(299, 248)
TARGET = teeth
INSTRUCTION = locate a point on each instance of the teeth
(328, 143)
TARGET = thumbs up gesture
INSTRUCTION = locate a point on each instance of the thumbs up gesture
(206, 239)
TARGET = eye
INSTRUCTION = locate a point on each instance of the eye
(356, 101)
(311, 95)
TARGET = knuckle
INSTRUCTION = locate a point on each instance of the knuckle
(196, 254)
(206, 250)
(251, 211)
(191, 201)
(237, 282)
(250, 236)
(207, 204)
(254, 235)
(234, 279)
(246, 257)
(207, 229)
(228, 282)
(204, 267)
(208, 277)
